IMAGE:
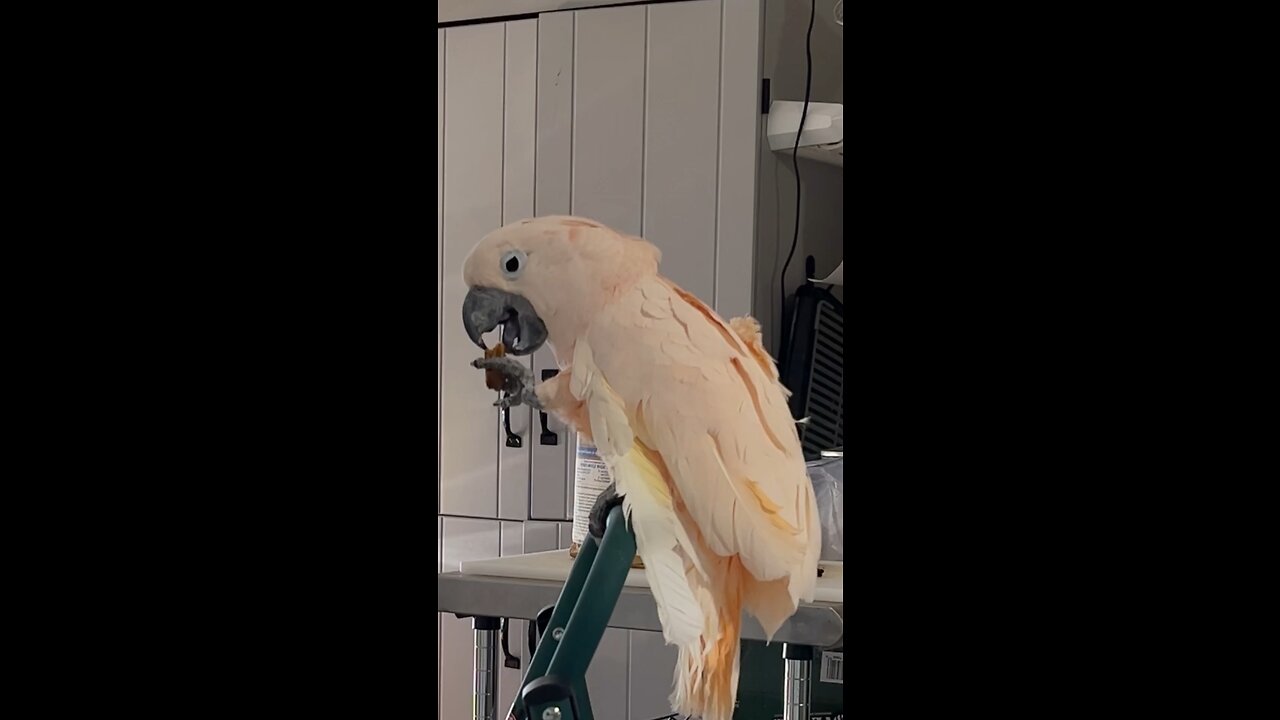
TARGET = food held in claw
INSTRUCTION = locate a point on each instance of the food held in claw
(493, 379)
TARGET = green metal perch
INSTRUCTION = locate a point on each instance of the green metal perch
(555, 685)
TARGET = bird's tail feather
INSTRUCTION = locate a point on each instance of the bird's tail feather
(706, 682)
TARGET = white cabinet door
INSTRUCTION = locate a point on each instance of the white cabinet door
(682, 141)
(551, 464)
(473, 123)
(608, 116)
(519, 109)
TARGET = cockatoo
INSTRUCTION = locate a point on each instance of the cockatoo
(687, 412)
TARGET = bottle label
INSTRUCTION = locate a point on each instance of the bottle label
(590, 478)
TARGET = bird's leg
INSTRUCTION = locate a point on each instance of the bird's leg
(605, 501)
(517, 384)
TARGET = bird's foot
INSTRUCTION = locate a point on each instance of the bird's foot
(517, 385)
(606, 501)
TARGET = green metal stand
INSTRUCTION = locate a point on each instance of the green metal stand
(555, 685)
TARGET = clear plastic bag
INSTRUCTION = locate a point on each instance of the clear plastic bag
(827, 476)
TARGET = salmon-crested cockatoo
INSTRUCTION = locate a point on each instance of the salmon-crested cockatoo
(687, 412)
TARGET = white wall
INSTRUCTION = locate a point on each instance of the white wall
(643, 117)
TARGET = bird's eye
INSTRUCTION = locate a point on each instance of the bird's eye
(512, 263)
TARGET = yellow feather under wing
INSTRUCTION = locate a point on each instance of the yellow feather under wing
(647, 503)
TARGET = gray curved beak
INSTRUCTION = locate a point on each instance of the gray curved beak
(486, 308)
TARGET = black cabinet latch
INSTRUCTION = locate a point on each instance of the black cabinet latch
(547, 437)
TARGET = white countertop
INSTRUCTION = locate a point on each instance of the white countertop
(555, 564)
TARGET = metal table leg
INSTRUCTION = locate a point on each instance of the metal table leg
(796, 679)
(485, 685)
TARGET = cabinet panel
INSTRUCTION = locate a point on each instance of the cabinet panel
(653, 665)
(519, 115)
(518, 146)
(555, 113)
(474, 71)
(607, 676)
(439, 231)
(741, 25)
(551, 465)
(541, 536)
(554, 162)
(608, 116)
(682, 140)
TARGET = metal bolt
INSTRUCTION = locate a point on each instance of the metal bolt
(551, 714)
(556, 635)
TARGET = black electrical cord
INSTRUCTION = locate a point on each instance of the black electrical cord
(783, 350)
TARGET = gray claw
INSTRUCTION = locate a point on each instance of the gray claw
(518, 382)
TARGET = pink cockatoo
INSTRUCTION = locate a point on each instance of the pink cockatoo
(689, 416)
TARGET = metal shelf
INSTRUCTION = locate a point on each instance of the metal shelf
(817, 624)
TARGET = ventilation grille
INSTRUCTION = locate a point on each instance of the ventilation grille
(825, 404)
